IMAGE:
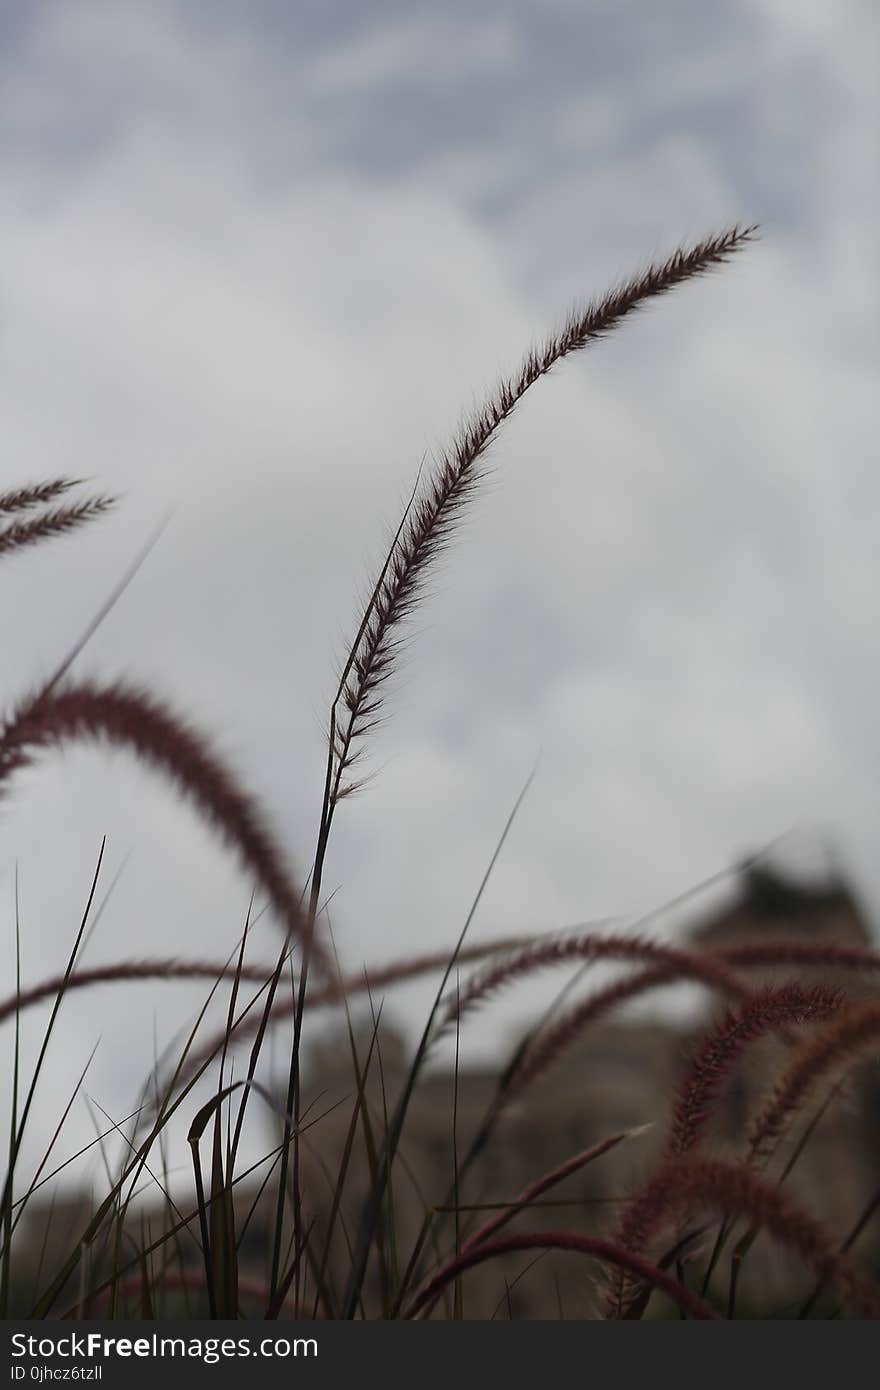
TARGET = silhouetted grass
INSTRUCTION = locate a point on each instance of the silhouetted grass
(116, 1264)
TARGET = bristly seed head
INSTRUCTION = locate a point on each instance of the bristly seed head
(430, 519)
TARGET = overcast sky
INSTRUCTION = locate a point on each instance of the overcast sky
(257, 261)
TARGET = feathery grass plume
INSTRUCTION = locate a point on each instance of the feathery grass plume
(608, 1252)
(752, 954)
(834, 1049)
(121, 715)
(685, 1184)
(119, 972)
(54, 522)
(589, 946)
(429, 523)
(722, 1047)
(410, 968)
(36, 494)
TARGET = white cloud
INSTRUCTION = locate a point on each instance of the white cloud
(425, 49)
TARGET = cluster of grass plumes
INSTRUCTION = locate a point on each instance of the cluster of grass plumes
(314, 1196)
(50, 520)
